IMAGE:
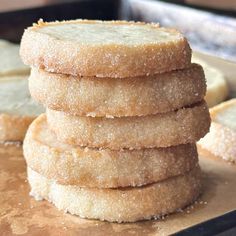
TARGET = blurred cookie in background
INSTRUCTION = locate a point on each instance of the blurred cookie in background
(17, 109)
(11, 63)
(217, 88)
(221, 139)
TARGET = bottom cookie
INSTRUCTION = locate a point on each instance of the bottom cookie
(121, 204)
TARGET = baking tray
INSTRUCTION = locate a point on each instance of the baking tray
(22, 215)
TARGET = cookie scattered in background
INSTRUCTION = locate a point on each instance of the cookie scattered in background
(217, 88)
(221, 139)
(11, 63)
(4, 43)
(17, 109)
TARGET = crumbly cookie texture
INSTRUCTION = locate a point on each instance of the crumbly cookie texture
(121, 204)
(186, 125)
(134, 96)
(221, 139)
(102, 168)
(120, 49)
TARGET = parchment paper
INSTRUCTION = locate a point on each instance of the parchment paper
(22, 215)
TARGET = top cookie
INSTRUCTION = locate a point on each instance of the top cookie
(104, 48)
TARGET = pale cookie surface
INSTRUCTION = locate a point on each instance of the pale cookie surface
(10, 61)
(102, 168)
(4, 43)
(87, 96)
(217, 88)
(186, 125)
(221, 139)
(17, 109)
(115, 49)
(122, 204)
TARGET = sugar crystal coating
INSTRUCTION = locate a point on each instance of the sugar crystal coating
(186, 125)
(134, 96)
(121, 204)
(102, 168)
(104, 49)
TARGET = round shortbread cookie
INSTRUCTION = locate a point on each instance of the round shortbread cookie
(114, 49)
(217, 88)
(17, 109)
(221, 139)
(186, 125)
(102, 168)
(121, 204)
(108, 97)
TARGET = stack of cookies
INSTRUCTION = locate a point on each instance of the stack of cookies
(124, 110)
